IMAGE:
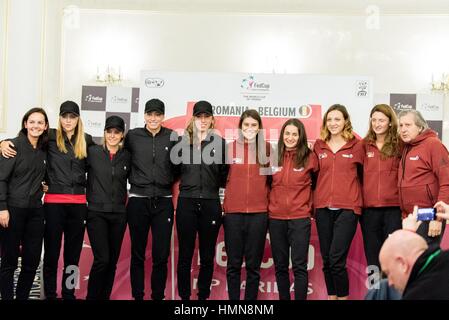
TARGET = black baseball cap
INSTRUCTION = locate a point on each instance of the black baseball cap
(202, 107)
(154, 105)
(69, 107)
(115, 122)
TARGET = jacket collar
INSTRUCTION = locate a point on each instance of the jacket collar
(426, 134)
(348, 145)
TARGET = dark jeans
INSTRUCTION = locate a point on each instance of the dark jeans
(423, 230)
(290, 237)
(245, 235)
(67, 219)
(106, 231)
(336, 229)
(143, 214)
(202, 216)
(26, 229)
(377, 224)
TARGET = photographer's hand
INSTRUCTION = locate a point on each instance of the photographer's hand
(411, 223)
(442, 210)
(435, 228)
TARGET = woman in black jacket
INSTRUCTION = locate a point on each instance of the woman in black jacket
(65, 201)
(108, 169)
(21, 211)
(203, 172)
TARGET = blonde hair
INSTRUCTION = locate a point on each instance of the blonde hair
(190, 129)
(80, 146)
(347, 129)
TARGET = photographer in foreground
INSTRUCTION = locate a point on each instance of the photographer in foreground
(415, 269)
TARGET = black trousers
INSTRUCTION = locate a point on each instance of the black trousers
(336, 229)
(67, 219)
(245, 235)
(202, 216)
(377, 224)
(143, 214)
(290, 237)
(423, 230)
(26, 229)
(106, 231)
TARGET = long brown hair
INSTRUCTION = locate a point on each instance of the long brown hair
(80, 146)
(347, 129)
(302, 148)
(391, 144)
(261, 156)
(42, 142)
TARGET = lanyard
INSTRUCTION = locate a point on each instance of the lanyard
(429, 259)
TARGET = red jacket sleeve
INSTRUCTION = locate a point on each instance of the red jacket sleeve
(440, 167)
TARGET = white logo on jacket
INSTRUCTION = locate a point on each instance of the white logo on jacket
(370, 154)
(347, 155)
(276, 169)
(322, 155)
(237, 160)
(414, 158)
(299, 169)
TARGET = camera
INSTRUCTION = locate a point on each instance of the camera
(426, 214)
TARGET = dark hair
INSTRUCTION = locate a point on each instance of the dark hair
(391, 146)
(302, 148)
(42, 142)
(347, 129)
(260, 141)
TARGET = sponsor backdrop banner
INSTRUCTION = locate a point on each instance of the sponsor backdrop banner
(429, 105)
(277, 98)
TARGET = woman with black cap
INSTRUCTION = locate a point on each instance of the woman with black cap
(108, 168)
(65, 201)
(203, 171)
(150, 204)
(21, 212)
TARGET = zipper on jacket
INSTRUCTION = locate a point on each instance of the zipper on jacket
(334, 155)
(113, 178)
(153, 164)
(404, 157)
(247, 183)
(289, 167)
(379, 173)
(201, 168)
(429, 194)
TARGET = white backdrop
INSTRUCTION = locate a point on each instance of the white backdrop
(400, 53)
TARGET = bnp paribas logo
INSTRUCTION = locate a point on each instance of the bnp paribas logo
(250, 83)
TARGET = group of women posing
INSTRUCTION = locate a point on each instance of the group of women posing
(276, 189)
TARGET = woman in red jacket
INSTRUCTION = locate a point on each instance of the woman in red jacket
(380, 157)
(290, 208)
(245, 206)
(338, 197)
